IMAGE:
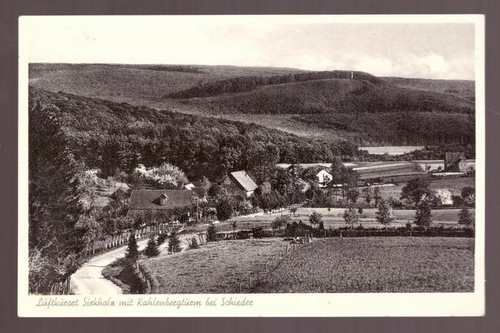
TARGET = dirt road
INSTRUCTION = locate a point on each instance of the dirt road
(88, 280)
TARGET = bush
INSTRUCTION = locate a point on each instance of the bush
(465, 217)
(162, 238)
(423, 216)
(174, 244)
(132, 250)
(152, 249)
(194, 244)
(211, 233)
(257, 232)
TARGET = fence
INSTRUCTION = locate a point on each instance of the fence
(113, 241)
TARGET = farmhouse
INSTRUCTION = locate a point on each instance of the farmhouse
(239, 183)
(390, 173)
(455, 162)
(324, 177)
(159, 202)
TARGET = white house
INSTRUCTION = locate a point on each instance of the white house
(324, 178)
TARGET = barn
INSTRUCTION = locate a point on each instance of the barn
(390, 173)
(455, 162)
(160, 203)
(239, 183)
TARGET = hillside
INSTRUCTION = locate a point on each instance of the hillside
(328, 105)
(333, 96)
(117, 137)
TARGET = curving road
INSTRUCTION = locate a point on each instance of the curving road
(88, 280)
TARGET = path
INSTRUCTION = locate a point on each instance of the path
(88, 280)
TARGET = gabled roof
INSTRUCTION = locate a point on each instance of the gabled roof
(151, 199)
(402, 169)
(453, 157)
(244, 180)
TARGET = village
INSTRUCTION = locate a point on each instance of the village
(357, 200)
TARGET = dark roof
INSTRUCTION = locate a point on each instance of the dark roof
(244, 180)
(200, 192)
(452, 158)
(390, 170)
(151, 199)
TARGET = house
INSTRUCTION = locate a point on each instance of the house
(160, 203)
(324, 178)
(239, 183)
(455, 162)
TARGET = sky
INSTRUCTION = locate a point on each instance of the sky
(436, 47)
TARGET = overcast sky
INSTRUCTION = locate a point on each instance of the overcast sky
(425, 50)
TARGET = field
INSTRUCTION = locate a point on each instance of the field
(333, 218)
(455, 186)
(326, 265)
(375, 265)
(218, 267)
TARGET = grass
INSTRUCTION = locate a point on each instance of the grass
(218, 267)
(375, 264)
(334, 218)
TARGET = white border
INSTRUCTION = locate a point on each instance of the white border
(269, 305)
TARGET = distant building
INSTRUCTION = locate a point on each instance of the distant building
(159, 200)
(390, 173)
(324, 177)
(455, 162)
(239, 183)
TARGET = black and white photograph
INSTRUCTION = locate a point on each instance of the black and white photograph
(251, 165)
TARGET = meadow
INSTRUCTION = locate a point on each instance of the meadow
(217, 267)
(333, 218)
(377, 264)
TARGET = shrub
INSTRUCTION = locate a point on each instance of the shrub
(132, 250)
(315, 218)
(162, 238)
(174, 244)
(384, 214)
(423, 216)
(194, 244)
(211, 234)
(257, 232)
(152, 248)
(351, 216)
(465, 217)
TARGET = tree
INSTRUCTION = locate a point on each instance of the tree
(174, 244)
(423, 216)
(368, 192)
(293, 210)
(416, 190)
(61, 220)
(384, 215)
(152, 248)
(193, 244)
(132, 249)
(211, 233)
(465, 217)
(351, 216)
(166, 176)
(352, 195)
(469, 195)
(280, 221)
(233, 225)
(377, 195)
(315, 218)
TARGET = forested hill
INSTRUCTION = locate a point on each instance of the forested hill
(334, 105)
(249, 83)
(116, 137)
